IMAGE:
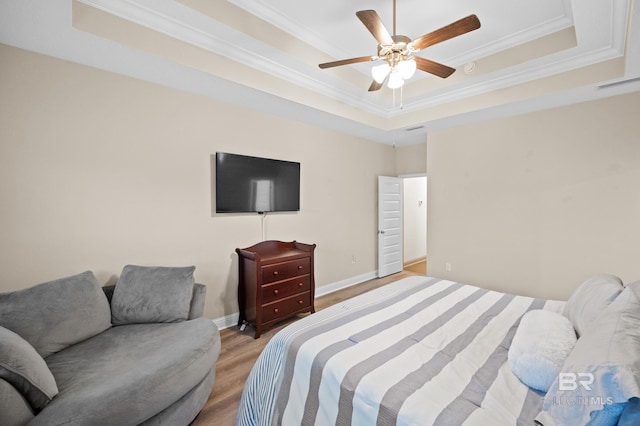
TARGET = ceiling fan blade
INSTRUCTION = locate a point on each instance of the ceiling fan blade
(347, 61)
(433, 67)
(447, 32)
(375, 86)
(374, 24)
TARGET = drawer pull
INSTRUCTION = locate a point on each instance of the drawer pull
(300, 284)
(275, 272)
(299, 266)
(276, 291)
(300, 302)
(275, 310)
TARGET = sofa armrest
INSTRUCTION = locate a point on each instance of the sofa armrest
(197, 301)
(196, 309)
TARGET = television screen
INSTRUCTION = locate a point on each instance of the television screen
(252, 184)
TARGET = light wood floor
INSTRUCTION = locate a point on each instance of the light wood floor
(240, 351)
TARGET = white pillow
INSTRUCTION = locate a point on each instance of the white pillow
(539, 348)
(590, 299)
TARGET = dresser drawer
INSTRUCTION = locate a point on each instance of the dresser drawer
(285, 307)
(285, 270)
(281, 289)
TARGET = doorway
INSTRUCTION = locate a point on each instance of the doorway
(402, 224)
(415, 224)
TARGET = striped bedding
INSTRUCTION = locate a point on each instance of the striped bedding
(418, 351)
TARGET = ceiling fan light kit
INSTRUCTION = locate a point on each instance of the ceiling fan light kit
(398, 51)
(398, 72)
(407, 68)
(380, 72)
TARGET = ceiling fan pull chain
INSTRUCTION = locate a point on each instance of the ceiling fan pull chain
(393, 113)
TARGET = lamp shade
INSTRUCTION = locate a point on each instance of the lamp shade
(380, 72)
(407, 68)
(395, 79)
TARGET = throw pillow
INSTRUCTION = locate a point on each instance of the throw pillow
(25, 370)
(590, 299)
(152, 294)
(56, 314)
(631, 415)
(540, 347)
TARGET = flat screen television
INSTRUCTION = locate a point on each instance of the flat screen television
(251, 184)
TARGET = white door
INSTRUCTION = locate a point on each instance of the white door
(389, 225)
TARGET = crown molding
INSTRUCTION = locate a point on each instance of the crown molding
(512, 40)
(218, 38)
(230, 43)
(522, 75)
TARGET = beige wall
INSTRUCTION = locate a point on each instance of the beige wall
(535, 204)
(411, 159)
(99, 170)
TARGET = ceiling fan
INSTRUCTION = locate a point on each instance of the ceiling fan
(397, 51)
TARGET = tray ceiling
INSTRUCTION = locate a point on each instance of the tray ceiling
(264, 55)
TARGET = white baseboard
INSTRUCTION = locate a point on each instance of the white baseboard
(227, 321)
(414, 261)
(339, 285)
(232, 319)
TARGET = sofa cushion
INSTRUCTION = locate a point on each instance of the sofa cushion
(56, 314)
(25, 369)
(130, 373)
(152, 294)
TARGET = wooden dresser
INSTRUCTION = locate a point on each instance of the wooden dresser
(275, 282)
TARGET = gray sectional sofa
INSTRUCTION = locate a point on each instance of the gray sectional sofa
(75, 353)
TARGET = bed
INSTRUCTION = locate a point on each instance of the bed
(418, 351)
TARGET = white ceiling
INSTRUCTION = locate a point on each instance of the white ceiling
(264, 54)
